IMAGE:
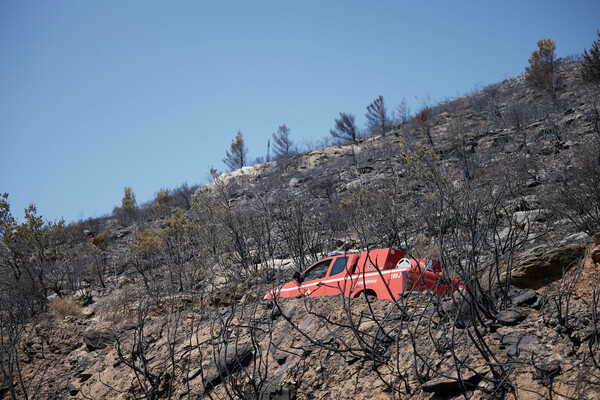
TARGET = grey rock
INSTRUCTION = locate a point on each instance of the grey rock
(98, 339)
(275, 344)
(284, 367)
(520, 345)
(230, 359)
(294, 182)
(523, 218)
(510, 317)
(324, 337)
(192, 374)
(130, 326)
(305, 324)
(547, 371)
(276, 392)
(459, 309)
(223, 311)
(290, 313)
(72, 389)
(84, 364)
(532, 183)
(539, 303)
(122, 233)
(280, 357)
(527, 297)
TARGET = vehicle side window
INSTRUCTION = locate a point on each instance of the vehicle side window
(318, 271)
(338, 266)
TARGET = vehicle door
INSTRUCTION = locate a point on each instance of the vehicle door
(311, 280)
(336, 280)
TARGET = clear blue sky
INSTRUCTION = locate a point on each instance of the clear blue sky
(99, 95)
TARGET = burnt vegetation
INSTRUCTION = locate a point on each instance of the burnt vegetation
(502, 186)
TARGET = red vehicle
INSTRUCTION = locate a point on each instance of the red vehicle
(384, 273)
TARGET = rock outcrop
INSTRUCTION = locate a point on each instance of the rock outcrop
(541, 265)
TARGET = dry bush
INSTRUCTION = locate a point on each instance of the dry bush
(424, 246)
(576, 194)
(65, 306)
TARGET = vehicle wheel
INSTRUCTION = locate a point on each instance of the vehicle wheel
(366, 294)
(369, 294)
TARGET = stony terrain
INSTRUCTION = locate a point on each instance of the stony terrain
(324, 348)
(498, 159)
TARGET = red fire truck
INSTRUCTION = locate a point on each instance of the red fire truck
(384, 273)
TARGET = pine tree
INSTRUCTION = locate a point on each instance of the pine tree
(128, 210)
(283, 147)
(235, 157)
(377, 118)
(345, 128)
(162, 204)
(128, 203)
(590, 66)
(540, 73)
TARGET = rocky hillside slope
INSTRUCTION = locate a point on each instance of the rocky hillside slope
(501, 185)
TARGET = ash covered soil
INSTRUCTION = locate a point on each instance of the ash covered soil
(499, 185)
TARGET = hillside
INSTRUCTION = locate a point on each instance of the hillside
(501, 185)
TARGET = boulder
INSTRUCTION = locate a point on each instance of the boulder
(510, 317)
(98, 339)
(296, 182)
(526, 297)
(450, 384)
(520, 345)
(230, 359)
(523, 218)
(546, 372)
(544, 264)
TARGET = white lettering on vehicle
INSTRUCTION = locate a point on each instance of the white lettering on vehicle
(355, 278)
(369, 281)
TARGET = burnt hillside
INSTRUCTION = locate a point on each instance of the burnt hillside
(165, 301)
